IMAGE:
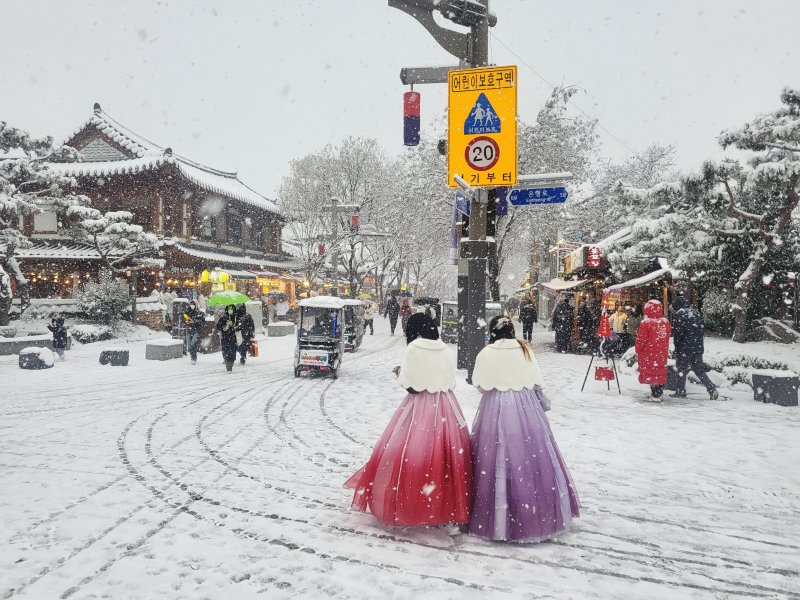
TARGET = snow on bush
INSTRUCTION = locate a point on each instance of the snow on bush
(44, 354)
(86, 334)
(106, 300)
(717, 310)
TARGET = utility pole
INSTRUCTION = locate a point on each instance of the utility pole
(335, 244)
(472, 50)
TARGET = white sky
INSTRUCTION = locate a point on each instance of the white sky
(248, 86)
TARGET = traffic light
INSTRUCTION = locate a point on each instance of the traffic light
(411, 101)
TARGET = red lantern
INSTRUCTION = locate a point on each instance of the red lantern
(321, 249)
(604, 329)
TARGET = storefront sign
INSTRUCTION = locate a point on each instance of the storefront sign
(584, 256)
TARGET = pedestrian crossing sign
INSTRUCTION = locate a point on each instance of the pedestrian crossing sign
(482, 126)
(482, 118)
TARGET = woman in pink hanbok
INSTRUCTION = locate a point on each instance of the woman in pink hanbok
(420, 472)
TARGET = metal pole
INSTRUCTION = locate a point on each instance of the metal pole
(335, 245)
(476, 267)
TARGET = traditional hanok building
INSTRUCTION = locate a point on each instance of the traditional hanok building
(221, 233)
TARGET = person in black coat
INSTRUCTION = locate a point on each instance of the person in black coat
(586, 325)
(392, 310)
(528, 316)
(59, 336)
(247, 328)
(688, 331)
(228, 327)
(562, 323)
(194, 319)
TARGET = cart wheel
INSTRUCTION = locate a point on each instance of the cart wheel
(335, 373)
(296, 372)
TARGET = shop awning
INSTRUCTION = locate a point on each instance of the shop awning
(240, 274)
(560, 285)
(639, 281)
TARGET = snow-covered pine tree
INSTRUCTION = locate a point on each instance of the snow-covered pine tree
(27, 187)
(763, 195)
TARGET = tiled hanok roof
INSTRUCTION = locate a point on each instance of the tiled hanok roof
(149, 155)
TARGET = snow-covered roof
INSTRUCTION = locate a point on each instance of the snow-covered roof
(559, 285)
(618, 237)
(323, 302)
(61, 249)
(225, 259)
(353, 302)
(150, 155)
(639, 280)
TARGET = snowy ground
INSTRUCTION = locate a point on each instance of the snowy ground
(164, 480)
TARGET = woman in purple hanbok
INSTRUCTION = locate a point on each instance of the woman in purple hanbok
(522, 490)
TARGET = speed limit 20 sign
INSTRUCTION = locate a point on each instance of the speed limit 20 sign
(482, 126)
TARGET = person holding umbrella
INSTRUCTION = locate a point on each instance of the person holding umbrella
(230, 336)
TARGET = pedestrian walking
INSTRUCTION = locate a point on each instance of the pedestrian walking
(369, 316)
(194, 318)
(528, 315)
(230, 336)
(562, 322)
(247, 329)
(522, 489)
(59, 331)
(405, 314)
(652, 349)
(420, 471)
(688, 331)
(392, 311)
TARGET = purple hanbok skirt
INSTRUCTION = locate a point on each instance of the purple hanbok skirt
(522, 489)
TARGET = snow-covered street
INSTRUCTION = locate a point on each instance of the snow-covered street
(169, 480)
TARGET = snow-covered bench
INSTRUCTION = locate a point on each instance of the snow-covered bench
(774, 386)
(36, 358)
(280, 329)
(116, 357)
(165, 349)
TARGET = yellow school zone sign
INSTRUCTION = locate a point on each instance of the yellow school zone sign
(482, 126)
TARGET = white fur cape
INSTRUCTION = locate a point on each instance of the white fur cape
(428, 365)
(503, 366)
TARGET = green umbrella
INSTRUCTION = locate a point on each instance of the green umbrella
(226, 298)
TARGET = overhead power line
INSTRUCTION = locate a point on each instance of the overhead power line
(574, 105)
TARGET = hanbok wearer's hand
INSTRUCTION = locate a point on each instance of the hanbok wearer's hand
(396, 371)
(537, 388)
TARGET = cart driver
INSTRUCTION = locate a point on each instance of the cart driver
(321, 327)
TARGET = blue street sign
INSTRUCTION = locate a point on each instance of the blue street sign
(462, 203)
(482, 118)
(529, 196)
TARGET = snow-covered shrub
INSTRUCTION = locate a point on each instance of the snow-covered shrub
(746, 361)
(86, 334)
(717, 310)
(106, 300)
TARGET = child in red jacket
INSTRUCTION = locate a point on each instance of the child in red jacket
(652, 349)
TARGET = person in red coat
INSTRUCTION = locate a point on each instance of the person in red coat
(652, 349)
